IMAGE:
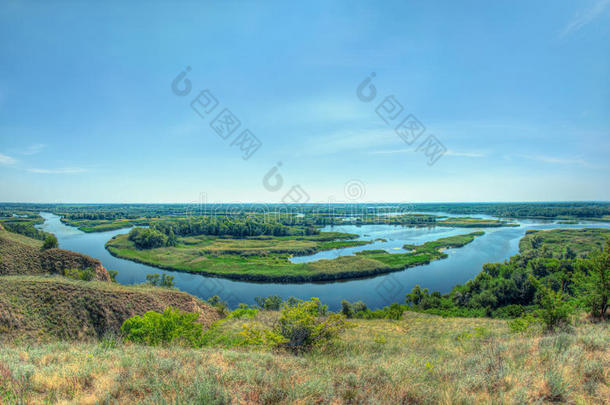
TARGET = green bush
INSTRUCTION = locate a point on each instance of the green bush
(50, 242)
(394, 311)
(171, 327)
(554, 309)
(217, 303)
(346, 309)
(240, 313)
(300, 327)
(523, 324)
(271, 303)
(113, 274)
(593, 282)
(160, 280)
(80, 274)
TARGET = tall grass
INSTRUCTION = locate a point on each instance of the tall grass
(418, 359)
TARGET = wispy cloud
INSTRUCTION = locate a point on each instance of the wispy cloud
(585, 16)
(6, 160)
(349, 140)
(448, 153)
(390, 151)
(63, 170)
(465, 154)
(558, 160)
(33, 149)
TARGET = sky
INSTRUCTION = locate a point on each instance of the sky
(514, 97)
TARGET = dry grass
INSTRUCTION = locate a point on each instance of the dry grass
(421, 359)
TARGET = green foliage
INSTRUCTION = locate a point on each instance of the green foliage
(217, 303)
(554, 310)
(359, 310)
(87, 274)
(147, 238)
(25, 228)
(50, 242)
(346, 309)
(547, 263)
(160, 280)
(522, 324)
(241, 313)
(394, 311)
(593, 282)
(299, 327)
(271, 303)
(173, 326)
(113, 274)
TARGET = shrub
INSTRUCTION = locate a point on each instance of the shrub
(594, 282)
(80, 274)
(113, 274)
(394, 311)
(160, 280)
(346, 309)
(172, 326)
(217, 303)
(271, 303)
(50, 242)
(359, 306)
(522, 324)
(243, 313)
(555, 311)
(299, 327)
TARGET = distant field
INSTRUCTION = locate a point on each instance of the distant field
(266, 258)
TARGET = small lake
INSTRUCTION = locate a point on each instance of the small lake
(497, 245)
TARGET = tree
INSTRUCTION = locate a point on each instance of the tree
(415, 296)
(554, 308)
(346, 309)
(50, 242)
(160, 280)
(171, 237)
(594, 282)
(271, 303)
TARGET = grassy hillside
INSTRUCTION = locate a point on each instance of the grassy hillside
(59, 307)
(36, 301)
(419, 359)
(20, 255)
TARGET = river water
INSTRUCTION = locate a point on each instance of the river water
(497, 245)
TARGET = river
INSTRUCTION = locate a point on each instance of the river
(497, 245)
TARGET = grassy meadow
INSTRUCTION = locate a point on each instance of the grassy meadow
(420, 359)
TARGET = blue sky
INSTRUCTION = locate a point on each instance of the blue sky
(518, 92)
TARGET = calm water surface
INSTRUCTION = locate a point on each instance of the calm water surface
(497, 245)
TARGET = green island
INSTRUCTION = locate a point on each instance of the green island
(467, 222)
(265, 258)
